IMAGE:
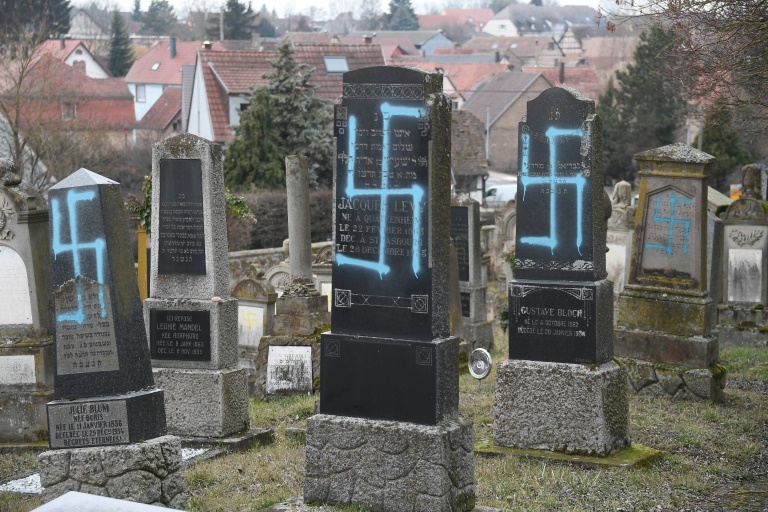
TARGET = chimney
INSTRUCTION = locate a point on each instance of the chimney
(63, 43)
(367, 39)
(562, 72)
(173, 46)
(206, 45)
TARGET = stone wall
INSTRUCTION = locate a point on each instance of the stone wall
(675, 381)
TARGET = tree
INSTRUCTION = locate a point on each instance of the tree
(720, 45)
(238, 19)
(720, 139)
(253, 157)
(646, 108)
(401, 16)
(38, 19)
(303, 120)
(136, 14)
(120, 52)
(370, 14)
(159, 18)
(497, 5)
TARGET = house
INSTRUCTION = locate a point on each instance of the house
(476, 18)
(94, 26)
(424, 41)
(157, 69)
(582, 78)
(223, 80)
(521, 51)
(502, 101)
(530, 20)
(468, 164)
(163, 120)
(76, 54)
(463, 78)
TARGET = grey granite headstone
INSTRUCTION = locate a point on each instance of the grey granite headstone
(26, 345)
(560, 390)
(191, 319)
(389, 386)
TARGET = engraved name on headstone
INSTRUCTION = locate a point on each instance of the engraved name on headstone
(16, 370)
(181, 230)
(89, 423)
(180, 335)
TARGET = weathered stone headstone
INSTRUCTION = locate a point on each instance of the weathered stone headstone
(191, 319)
(389, 390)
(299, 235)
(465, 233)
(560, 381)
(26, 345)
(256, 313)
(664, 312)
(104, 390)
(745, 267)
(322, 267)
(619, 236)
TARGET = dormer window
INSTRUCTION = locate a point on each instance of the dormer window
(336, 65)
(155, 66)
(78, 52)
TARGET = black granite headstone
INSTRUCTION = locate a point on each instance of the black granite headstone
(460, 237)
(465, 304)
(181, 230)
(559, 307)
(180, 335)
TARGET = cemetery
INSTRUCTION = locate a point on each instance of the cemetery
(597, 342)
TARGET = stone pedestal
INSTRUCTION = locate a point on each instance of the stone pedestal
(148, 472)
(569, 408)
(390, 466)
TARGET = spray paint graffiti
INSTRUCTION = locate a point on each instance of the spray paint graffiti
(415, 192)
(671, 221)
(76, 246)
(552, 181)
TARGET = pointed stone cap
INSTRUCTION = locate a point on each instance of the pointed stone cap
(678, 159)
(83, 178)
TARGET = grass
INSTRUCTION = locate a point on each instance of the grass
(705, 448)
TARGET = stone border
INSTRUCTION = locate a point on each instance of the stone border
(675, 381)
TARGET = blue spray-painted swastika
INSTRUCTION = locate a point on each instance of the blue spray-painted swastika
(553, 181)
(75, 247)
(672, 222)
(384, 192)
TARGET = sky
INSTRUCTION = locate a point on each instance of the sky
(328, 8)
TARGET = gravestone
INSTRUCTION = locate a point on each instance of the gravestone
(389, 390)
(745, 267)
(560, 389)
(664, 313)
(322, 268)
(190, 317)
(26, 344)
(619, 236)
(104, 393)
(465, 233)
(256, 313)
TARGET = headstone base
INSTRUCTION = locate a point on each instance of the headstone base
(23, 416)
(389, 466)
(642, 308)
(569, 408)
(675, 381)
(478, 334)
(740, 326)
(257, 379)
(695, 351)
(204, 403)
(148, 472)
(240, 442)
(106, 420)
(301, 315)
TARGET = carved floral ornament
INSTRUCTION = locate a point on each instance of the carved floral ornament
(6, 212)
(750, 238)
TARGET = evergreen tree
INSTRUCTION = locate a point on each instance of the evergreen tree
(253, 157)
(537, 2)
(159, 18)
(33, 20)
(401, 16)
(645, 110)
(120, 52)
(304, 121)
(237, 21)
(723, 141)
(136, 15)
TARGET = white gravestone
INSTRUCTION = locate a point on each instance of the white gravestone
(250, 324)
(15, 304)
(745, 268)
(17, 370)
(289, 369)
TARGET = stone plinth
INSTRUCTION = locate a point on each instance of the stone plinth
(389, 466)
(570, 408)
(204, 403)
(148, 472)
(741, 327)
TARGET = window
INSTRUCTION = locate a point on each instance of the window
(78, 52)
(244, 107)
(68, 111)
(336, 65)
(155, 66)
(141, 93)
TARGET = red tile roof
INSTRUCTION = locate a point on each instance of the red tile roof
(358, 56)
(238, 72)
(163, 111)
(54, 47)
(480, 16)
(403, 42)
(436, 21)
(465, 77)
(582, 78)
(169, 71)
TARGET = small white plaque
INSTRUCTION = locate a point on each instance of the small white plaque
(17, 370)
(289, 369)
(745, 275)
(615, 265)
(250, 325)
(15, 303)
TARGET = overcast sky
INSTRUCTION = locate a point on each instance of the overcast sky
(328, 7)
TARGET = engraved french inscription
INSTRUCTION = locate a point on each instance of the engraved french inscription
(82, 424)
(180, 335)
